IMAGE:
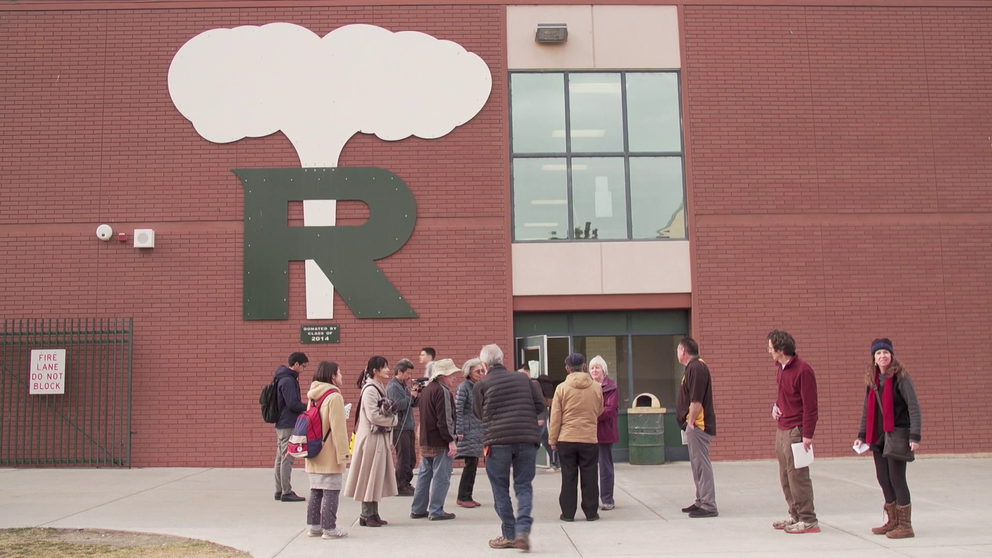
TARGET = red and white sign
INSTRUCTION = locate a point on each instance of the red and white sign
(47, 371)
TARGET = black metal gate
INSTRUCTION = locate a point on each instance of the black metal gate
(90, 423)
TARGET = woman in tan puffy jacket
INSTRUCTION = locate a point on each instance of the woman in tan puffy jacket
(327, 468)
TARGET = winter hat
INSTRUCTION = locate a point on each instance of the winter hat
(575, 360)
(882, 344)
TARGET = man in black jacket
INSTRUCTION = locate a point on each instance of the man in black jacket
(290, 407)
(508, 404)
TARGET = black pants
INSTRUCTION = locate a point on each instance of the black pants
(467, 485)
(891, 475)
(579, 461)
(406, 457)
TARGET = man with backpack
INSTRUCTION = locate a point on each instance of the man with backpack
(290, 406)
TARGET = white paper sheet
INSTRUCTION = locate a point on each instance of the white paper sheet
(862, 448)
(802, 457)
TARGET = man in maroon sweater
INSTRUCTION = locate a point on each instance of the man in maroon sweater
(796, 413)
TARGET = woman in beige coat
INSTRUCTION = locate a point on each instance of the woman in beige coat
(326, 469)
(372, 476)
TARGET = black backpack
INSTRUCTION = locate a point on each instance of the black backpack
(269, 400)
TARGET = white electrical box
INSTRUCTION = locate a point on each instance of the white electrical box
(144, 238)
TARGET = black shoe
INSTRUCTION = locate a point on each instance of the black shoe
(443, 517)
(415, 515)
(405, 491)
(568, 519)
(278, 495)
(690, 509)
(703, 513)
(292, 497)
(592, 517)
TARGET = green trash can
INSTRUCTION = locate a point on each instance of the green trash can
(646, 426)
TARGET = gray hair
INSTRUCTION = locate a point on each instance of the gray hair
(491, 354)
(469, 365)
(602, 364)
(403, 365)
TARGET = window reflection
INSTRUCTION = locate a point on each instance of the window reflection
(656, 196)
(653, 122)
(540, 199)
(599, 198)
(656, 367)
(538, 102)
(596, 113)
(614, 179)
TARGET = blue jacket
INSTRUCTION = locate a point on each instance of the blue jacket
(290, 405)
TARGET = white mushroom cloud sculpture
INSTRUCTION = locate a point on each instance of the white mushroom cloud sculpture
(253, 81)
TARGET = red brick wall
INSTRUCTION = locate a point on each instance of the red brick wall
(837, 161)
(839, 165)
(91, 136)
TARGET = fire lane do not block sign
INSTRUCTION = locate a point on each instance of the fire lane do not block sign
(47, 371)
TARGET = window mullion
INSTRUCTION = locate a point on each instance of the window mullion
(626, 154)
(568, 161)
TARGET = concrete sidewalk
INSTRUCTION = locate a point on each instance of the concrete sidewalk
(234, 507)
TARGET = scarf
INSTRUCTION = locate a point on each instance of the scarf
(888, 414)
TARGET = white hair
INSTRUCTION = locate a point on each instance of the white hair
(602, 364)
(491, 354)
(469, 365)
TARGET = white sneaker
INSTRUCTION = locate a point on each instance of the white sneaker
(315, 531)
(334, 534)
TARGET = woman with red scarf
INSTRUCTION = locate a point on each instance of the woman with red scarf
(899, 408)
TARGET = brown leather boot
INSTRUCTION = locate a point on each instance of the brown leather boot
(905, 528)
(890, 520)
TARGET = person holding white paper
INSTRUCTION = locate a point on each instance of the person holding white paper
(795, 411)
(898, 408)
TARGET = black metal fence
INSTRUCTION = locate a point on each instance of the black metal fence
(90, 422)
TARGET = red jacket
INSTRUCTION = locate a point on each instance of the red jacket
(797, 397)
(606, 427)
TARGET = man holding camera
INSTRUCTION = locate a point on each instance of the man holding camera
(404, 438)
(438, 443)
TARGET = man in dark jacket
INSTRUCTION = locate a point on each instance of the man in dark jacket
(508, 404)
(404, 439)
(290, 407)
(437, 443)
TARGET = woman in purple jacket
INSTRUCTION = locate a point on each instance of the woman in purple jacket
(606, 429)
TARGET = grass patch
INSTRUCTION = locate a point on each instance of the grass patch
(74, 543)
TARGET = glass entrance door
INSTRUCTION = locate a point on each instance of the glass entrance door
(533, 351)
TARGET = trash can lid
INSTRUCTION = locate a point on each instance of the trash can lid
(646, 403)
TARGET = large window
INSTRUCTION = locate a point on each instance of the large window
(596, 156)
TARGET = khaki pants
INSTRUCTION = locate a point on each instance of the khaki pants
(796, 484)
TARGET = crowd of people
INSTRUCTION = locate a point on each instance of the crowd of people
(483, 411)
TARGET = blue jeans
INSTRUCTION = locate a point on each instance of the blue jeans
(429, 496)
(522, 458)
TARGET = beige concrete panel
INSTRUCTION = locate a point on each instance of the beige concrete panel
(572, 268)
(523, 53)
(646, 267)
(636, 37)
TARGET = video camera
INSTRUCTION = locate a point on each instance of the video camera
(419, 383)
